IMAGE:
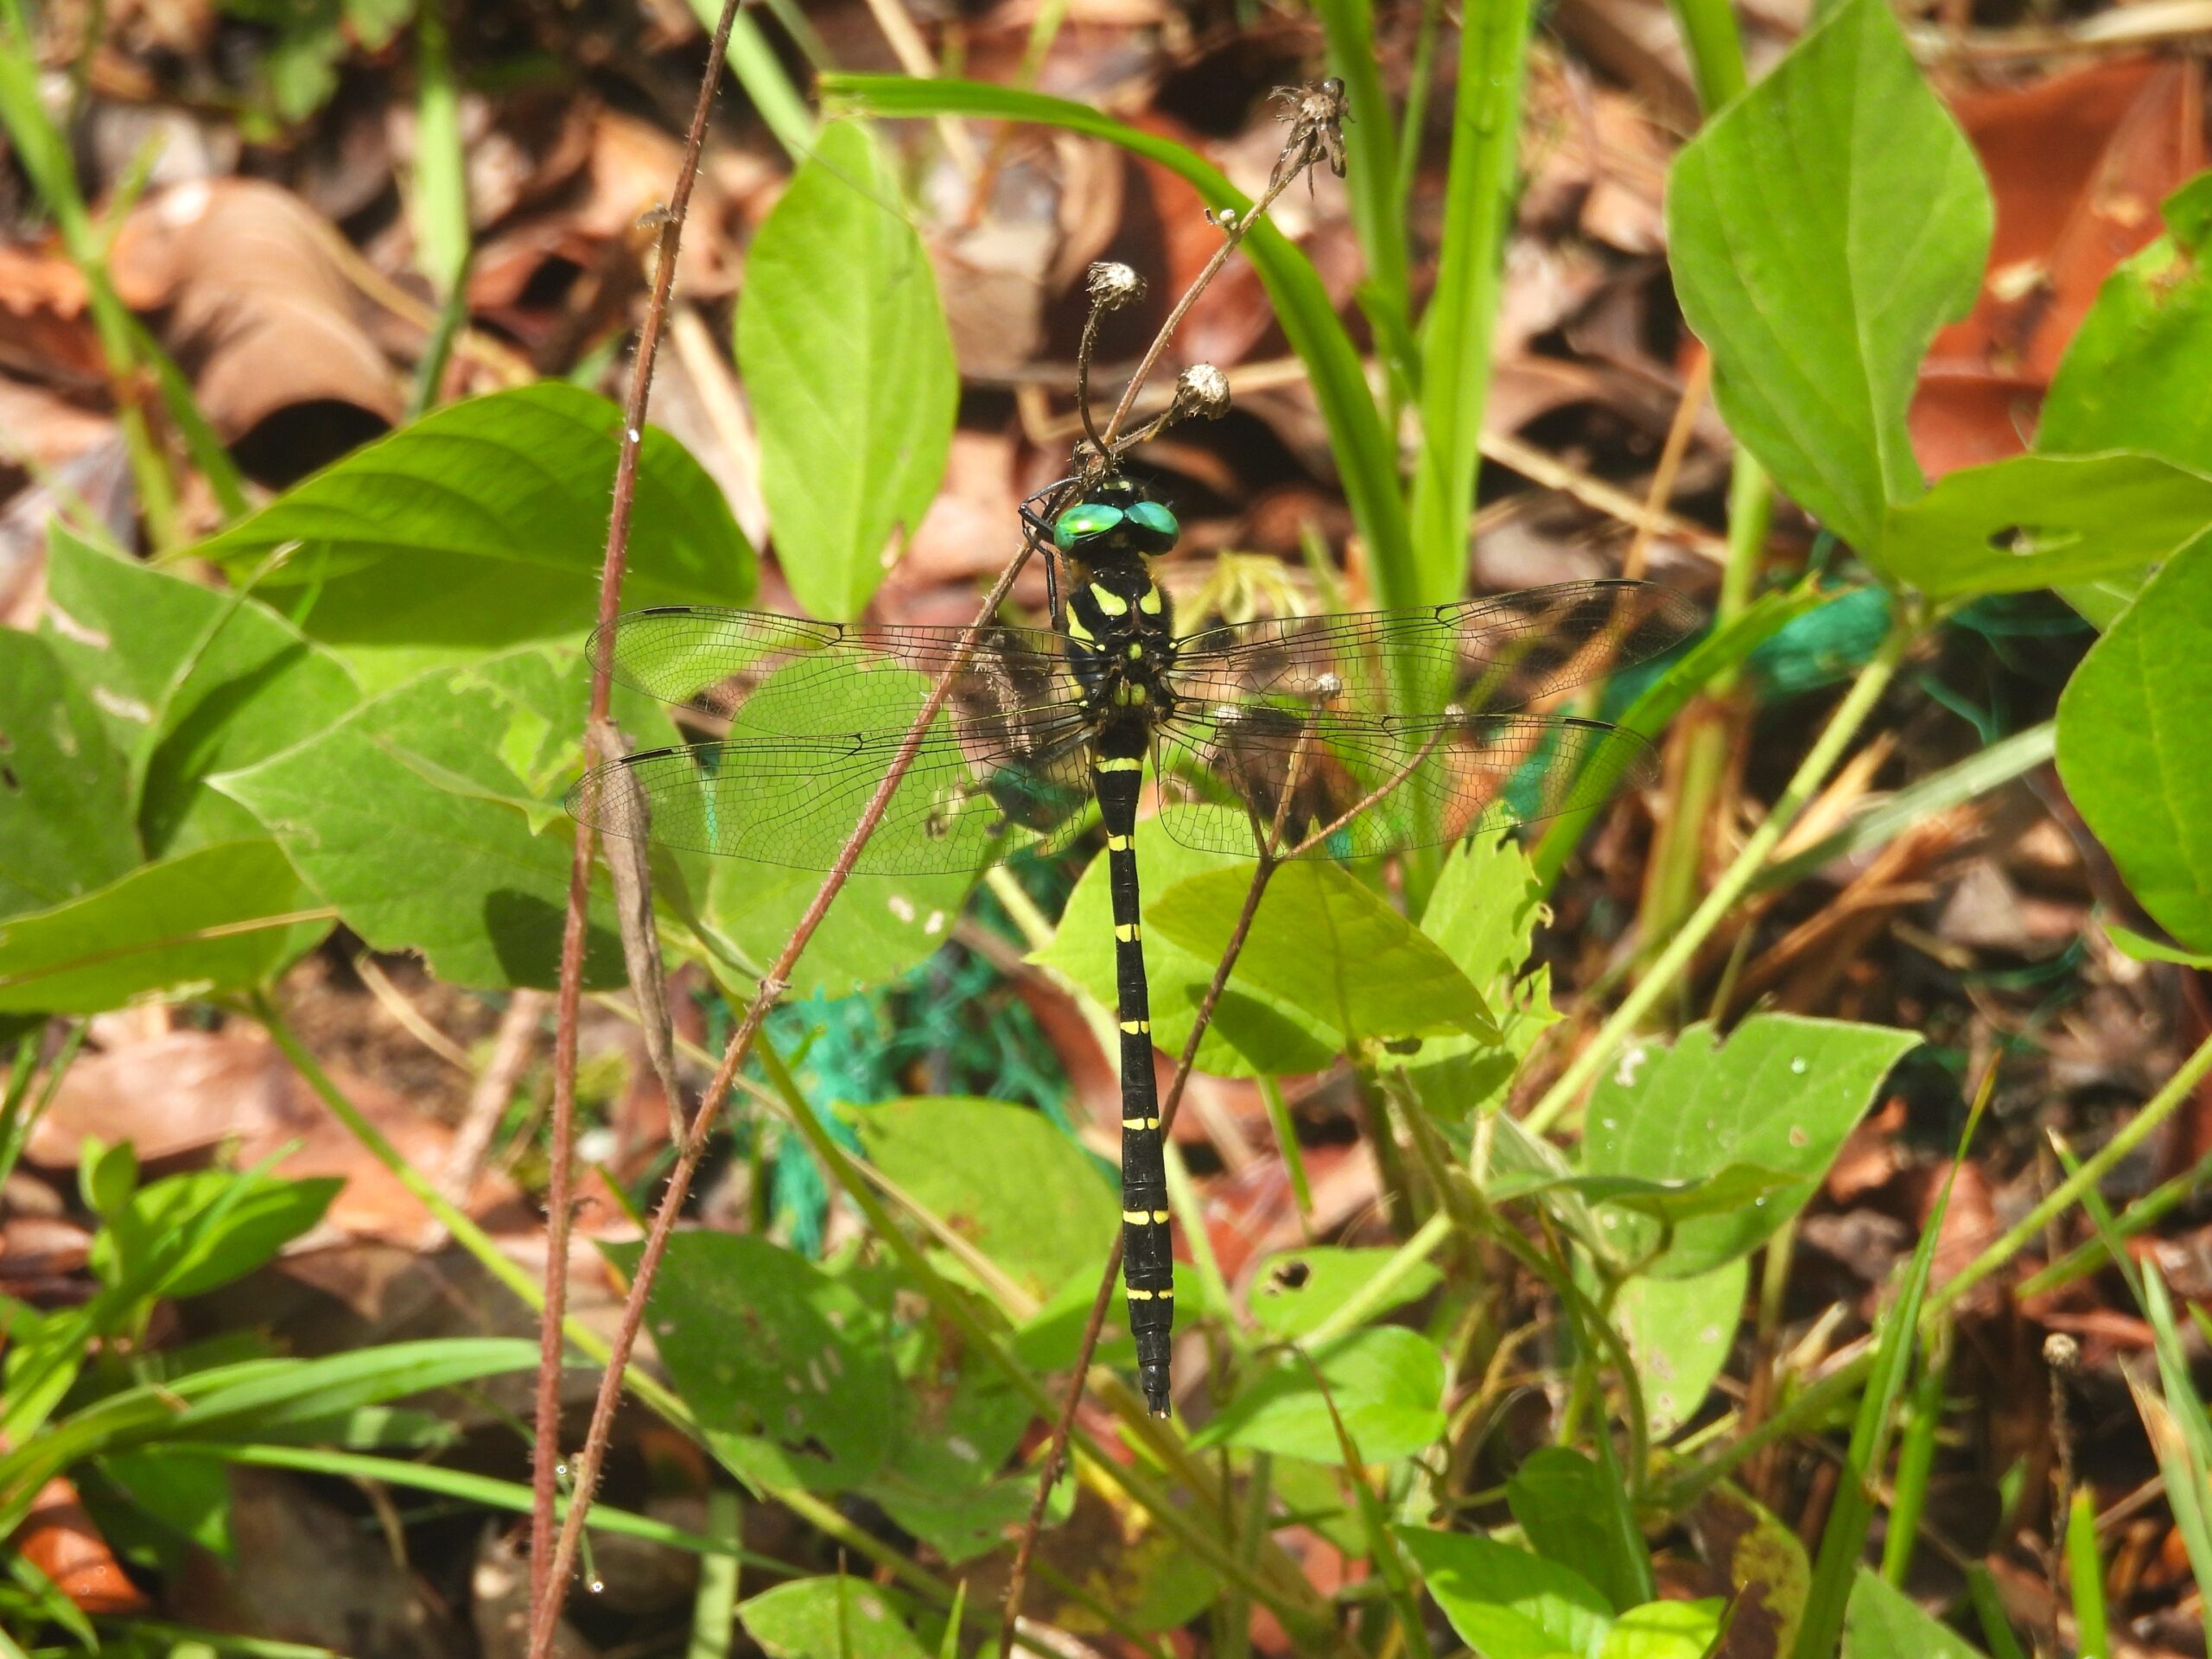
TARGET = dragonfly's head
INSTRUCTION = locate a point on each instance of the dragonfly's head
(1115, 517)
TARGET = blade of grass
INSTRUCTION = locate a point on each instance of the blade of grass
(1844, 1538)
(1456, 331)
(2085, 1574)
(1989, 1612)
(1365, 452)
(1372, 178)
(761, 72)
(439, 208)
(1916, 1458)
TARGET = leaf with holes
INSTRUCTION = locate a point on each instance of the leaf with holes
(2044, 521)
(785, 1369)
(1293, 1292)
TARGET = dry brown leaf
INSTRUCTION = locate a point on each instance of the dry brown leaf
(57, 1537)
(2078, 164)
(259, 312)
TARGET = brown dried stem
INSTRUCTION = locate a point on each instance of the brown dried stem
(696, 1137)
(545, 1587)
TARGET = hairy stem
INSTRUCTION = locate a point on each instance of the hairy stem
(547, 1581)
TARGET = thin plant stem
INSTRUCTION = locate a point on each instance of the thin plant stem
(1673, 961)
(546, 1591)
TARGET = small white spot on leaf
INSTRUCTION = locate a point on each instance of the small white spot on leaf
(901, 906)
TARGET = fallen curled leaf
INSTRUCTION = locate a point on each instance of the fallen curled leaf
(57, 1537)
(2078, 164)
(188, 1092)
(46, 327)
(260, 316)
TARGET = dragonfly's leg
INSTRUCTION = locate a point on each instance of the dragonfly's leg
(1147, 1250)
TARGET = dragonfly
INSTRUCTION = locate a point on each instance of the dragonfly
(1342, 736)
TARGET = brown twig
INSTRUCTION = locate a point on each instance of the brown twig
(547, 1586)
(487, 1100)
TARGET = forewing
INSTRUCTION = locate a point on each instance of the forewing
(1514, 651)
(1365, 787)
(800, 678)
(796, 801)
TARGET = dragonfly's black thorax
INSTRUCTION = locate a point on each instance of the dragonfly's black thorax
(1120, 641)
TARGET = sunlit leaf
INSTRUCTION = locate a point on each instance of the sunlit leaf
(1820, 228)
(848, 366)
(2132, 727)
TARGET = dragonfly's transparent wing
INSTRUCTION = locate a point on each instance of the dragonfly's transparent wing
(796, 801)
(1485, 655)
(1372, 786)
(787, 675)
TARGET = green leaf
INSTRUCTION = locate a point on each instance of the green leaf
(848, 364)
(1820, 228)
(1483, 911)
(190, 681)
(1780, 1096)
(1506, 1602)
(1883, 1623)
(1679, 1331)
(106, 1176)
(274, 1394)
(1365, 451)
(1253, 1031)
(1294, 1291)
(2133, 375)
(1725, 1191)
(2131, 724)
(2141, 948)
(188, 1495)
(1001, 1177)
(1570, 1513)
(482, 526)
(251, 1230)
(879, 926)
(1328, 946)
(2040, 521)
(224, 919)
(65, 804)
(943, 1483)
(829, 1619)
(1666, 1630)
(417, 817)
(1386, 1383)
(784, 1366)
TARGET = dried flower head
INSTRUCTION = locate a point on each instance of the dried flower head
(1316, 114)
(1201, 393)
(1113, 285)
(2061, 1352)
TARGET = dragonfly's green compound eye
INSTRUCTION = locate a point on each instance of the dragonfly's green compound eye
(1081, 522)
(1150, 516)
